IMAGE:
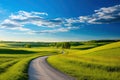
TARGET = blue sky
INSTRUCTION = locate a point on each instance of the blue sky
(59, 20)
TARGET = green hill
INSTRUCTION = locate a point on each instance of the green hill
(99, 63)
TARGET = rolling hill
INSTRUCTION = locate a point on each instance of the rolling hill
(99, 63)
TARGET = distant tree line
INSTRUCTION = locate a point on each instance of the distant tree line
(65, 45)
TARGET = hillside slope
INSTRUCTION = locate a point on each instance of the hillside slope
(100, 63)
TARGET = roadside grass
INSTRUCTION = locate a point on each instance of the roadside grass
(18, 71)
(99, 63)
(14, 61)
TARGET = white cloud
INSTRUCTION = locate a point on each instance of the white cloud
(101, 16)
(35, 18)
(105, 15)
(17, 21)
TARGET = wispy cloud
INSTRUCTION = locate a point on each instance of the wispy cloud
(17, 21)
(107, 15)
(103, 15)
(57, 30)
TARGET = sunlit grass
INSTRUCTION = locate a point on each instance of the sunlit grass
(100, 63)
(14, 61)
(86, 62)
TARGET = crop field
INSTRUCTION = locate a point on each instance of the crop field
(14, 61)
(87, 62)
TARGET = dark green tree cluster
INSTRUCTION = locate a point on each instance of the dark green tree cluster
(27, 46)
(64, 45)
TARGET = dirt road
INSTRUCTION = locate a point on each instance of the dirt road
(39, 69)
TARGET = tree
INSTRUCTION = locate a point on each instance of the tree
(27, 46)
(58, 45)
(66, 45)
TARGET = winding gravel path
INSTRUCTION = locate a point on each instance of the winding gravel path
(39, 69)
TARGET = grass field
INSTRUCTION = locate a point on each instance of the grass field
(98, 63)
(14, 61)
(87, 61)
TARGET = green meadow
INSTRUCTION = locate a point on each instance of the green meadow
(90, 60)
(14, 59)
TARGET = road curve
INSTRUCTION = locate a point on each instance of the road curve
(39, 69)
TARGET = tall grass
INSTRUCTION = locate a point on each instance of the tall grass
(18, 71)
